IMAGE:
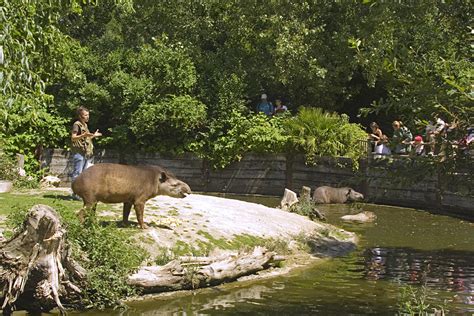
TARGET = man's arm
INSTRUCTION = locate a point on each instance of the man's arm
(96, 134)
(76, 136)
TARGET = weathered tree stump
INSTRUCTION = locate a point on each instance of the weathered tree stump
(289, 199)
(36, 271)
(305, 194)
(180, 275)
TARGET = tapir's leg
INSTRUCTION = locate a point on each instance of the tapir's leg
(139, 209)
(81, 214)
(88, 205)
(126, 212)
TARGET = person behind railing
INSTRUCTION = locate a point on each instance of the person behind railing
(265, 106)
(401, 140)
(279, 107)
(418, 146)
(379, 140)
(465, 143)
(384, 149)
(435, 132)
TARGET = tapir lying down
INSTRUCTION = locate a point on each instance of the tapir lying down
(130, 185)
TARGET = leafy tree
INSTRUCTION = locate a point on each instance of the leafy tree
(419, 51)
(34, 50)
(168, 126)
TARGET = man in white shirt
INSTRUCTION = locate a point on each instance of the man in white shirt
(433, 131)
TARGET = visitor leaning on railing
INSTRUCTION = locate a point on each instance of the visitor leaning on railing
(401, 140)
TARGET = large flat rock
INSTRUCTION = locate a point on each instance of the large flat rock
(201, 219)
(228, 217)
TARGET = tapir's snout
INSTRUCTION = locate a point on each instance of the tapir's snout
(185, 190)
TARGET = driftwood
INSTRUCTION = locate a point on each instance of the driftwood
(178, 275)
(36, 271)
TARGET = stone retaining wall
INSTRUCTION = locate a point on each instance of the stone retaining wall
(271, 174)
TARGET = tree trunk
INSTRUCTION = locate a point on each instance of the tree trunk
(36, 271)
(178, 275)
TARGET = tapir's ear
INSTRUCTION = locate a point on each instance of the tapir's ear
(163, 177)
(349, 192)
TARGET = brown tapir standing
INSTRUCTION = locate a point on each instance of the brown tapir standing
(130, 185)
(327, 194)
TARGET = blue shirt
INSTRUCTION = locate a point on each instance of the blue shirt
(265, 107)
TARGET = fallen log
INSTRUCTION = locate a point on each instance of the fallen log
(177, 275)
(36, 271)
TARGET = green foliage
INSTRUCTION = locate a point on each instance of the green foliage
(312, 132)
(405, 47)
(7, 167)
(168, 126)
(32, 50)
(28, 182)
(111, 258)
(384, 60)
(414, 301)
(26, 124)
(304, 207)
(9, 171)
(167, 66)
(319, 133)
(228, 139)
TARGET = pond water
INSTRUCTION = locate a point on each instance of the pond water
(403, 247)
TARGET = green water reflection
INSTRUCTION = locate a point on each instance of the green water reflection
(403, 246)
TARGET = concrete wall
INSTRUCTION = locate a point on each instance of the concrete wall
(271, 174)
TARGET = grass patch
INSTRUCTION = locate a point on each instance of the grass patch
(13, 201)
(199, 248)
(181, 248)
(146, 239)
(173, 212)
(218, 243)
(165, 255)
(245, 242)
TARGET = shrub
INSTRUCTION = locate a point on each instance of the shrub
(111, 259)
(9, 171)
(318, 133)
(227, 140)
(7, 167)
